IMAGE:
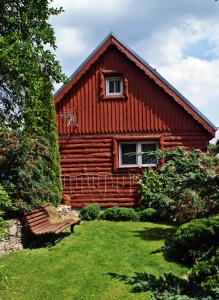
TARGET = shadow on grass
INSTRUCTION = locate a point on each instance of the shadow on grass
(154, 234)
(164, 286)
(45, 241)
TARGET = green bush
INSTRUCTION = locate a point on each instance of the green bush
(5, 204)
(206, 273)
(90, 212)
(168, 286)
(194, 240)
(185, 187)
(5, 200)
(148, 214)
(119, 214)
(26, 169)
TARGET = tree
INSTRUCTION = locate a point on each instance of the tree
(214, 148)
(28, 69)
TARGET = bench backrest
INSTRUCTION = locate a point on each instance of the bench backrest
(37, 218)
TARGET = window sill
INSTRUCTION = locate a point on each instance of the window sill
(114, 97)
(135, 166)
(132, 170)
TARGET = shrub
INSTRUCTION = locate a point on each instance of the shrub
(90, 212)
(167, 287)
(148, 214)
(5, 200)
(194, 240)
(119, 214)
(5, 204)
(206, 273)
(27, 170)
(185, 187)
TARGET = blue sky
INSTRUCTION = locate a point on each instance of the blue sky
(179, 38)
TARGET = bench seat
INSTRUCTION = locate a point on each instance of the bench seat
(38, 222)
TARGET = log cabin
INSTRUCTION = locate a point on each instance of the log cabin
(116, 104)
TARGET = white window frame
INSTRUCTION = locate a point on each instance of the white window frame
(107, 86)
(138, 157)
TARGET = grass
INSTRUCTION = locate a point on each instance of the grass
(78, 267)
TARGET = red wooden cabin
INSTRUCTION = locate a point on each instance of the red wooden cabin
(116, 104)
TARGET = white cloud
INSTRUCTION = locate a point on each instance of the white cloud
(171, 44)
(92, 7)
(197, 79)
(70, 42)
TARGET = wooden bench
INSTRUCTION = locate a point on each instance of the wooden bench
(38, 222)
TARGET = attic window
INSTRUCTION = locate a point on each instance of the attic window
(114, 86)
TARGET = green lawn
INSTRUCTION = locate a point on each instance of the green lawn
(77, 267)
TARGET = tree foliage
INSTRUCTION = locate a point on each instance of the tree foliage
(214, 148)
(27, 65)
(28, 70)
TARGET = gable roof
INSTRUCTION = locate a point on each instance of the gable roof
(111, 39)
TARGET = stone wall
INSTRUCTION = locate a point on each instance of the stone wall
(13, 241)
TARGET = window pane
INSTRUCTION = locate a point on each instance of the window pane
(127, 158)
(111, 86)
(117, 86)
(148, 159)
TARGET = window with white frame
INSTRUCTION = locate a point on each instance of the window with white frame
(138, 154)
(114, 86)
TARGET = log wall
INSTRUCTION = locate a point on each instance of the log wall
(89, 174)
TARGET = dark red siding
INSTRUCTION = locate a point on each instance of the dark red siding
(147, 109)
(89, 158)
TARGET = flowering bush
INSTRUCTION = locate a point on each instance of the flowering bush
(185, 187)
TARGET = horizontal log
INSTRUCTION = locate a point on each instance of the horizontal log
(75, 187)
(184, 147)
(96, 180)
(109, 189)
(85, 146)
(84, 151)
(109, 164)
(105, 199)
(80, 188)
(72, 186)
(103, 177)
(84, 160)
(103, 195)
(110, 194)
(102, 189)
(92, 139)
(184, 143)
(184, 137)
(103, 204)
(87, 156)
(126, 191)
(85, 170)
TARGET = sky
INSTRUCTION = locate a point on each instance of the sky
(178, 38)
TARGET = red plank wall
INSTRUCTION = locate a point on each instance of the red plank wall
(87, 151)
(147, 109)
